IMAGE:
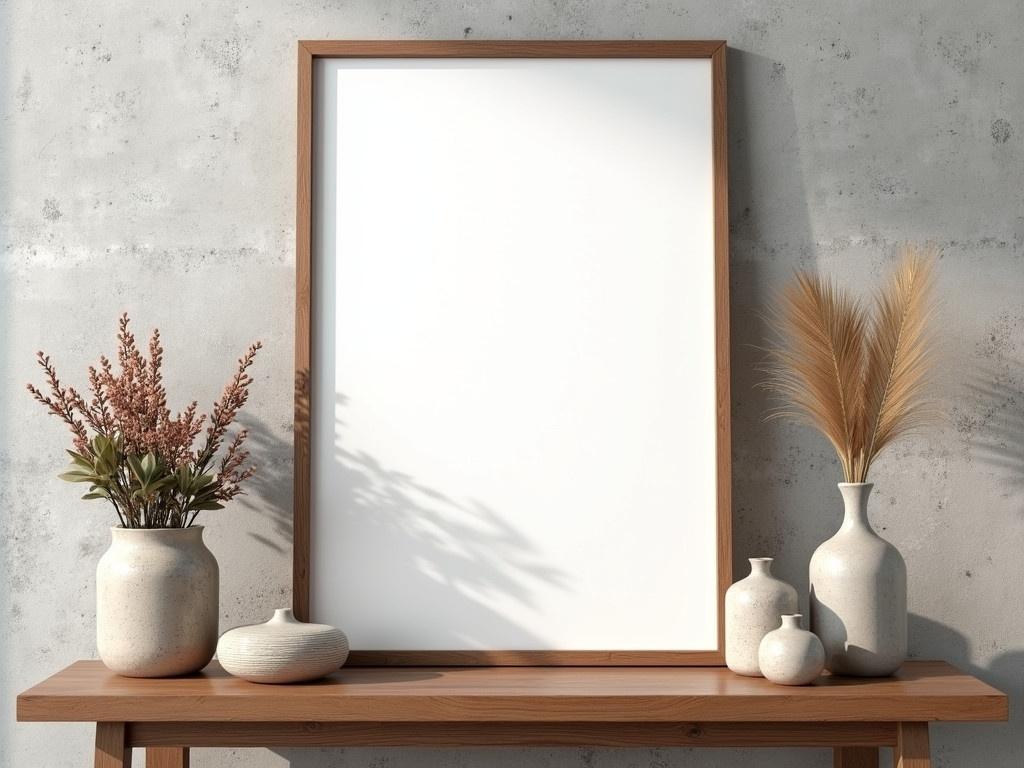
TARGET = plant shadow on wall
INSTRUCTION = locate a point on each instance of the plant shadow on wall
(270, 489)
(995, 425)
(430, 548)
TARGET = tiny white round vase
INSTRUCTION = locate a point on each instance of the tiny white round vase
(791, 655)
(752, 609)
(157, 602)
(859, 594)
(283, 650)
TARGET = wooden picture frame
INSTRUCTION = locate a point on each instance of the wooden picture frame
(306, 333)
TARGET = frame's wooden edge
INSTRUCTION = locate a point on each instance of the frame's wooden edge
(303, 336)
(720, 161)
(513, 48)
(359, 658)
(311, 49)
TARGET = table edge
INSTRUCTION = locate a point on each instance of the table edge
(467, 709)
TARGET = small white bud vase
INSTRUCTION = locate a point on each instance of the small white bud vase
(791, 655)
(157, 602)
(283, 650)
(859, 594)
(752, 609)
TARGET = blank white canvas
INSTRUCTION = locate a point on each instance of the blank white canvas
(514, 439)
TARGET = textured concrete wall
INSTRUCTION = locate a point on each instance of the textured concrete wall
(146, 163)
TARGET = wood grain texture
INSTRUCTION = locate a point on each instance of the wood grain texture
(912, 748)
(513, 49)
(513, 734)
(303, 335)
(921, 691)
(165, 757)
(112, 750)
(310, 49)
(723, 396)
(856, 757)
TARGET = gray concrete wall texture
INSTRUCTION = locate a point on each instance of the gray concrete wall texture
(146, 164)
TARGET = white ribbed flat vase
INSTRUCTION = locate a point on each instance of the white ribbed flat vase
(859, 594)
(283, 650)
(157, 593)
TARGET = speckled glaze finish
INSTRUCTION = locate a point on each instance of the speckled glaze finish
(157, 602)
(790, 655)
(859, 594)
(283, 650)
(752, 609)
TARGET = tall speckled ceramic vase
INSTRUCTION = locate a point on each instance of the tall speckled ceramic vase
(859, 594)
(753, 608)
(157, 602)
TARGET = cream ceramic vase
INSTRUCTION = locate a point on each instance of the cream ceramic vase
(859, 594)
(157, 602)
(790, 655)
(282, 650)
(753, 607)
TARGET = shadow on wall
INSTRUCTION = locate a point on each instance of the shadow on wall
(996, 434)
(992, 423)
(269, 492)
(986, 743)
(432, 553)
(769, 229)
(427, 548)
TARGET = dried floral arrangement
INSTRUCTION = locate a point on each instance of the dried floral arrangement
(134, 454)
(862, 378)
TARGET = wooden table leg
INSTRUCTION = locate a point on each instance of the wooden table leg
(912, 750)
(112, 750)
(855, 757)
(166, 757)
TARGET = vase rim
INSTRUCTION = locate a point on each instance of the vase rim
(123, 529)
(854, 485)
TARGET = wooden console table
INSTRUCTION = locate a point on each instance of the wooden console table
(525, 706)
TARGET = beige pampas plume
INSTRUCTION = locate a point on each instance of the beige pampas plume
(860, 378)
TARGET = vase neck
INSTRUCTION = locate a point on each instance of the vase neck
(760, 566)
(791, 620)
(163, 536)
(855, 497)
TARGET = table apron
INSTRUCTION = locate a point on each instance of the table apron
(458, 734)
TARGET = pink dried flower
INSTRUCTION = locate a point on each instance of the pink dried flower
(128, 417)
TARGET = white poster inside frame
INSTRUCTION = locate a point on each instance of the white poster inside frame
(513, 433)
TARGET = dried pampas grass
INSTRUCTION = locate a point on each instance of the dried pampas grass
(859, 377)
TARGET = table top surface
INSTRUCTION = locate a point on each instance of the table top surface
(920, 691)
